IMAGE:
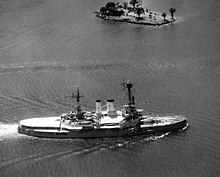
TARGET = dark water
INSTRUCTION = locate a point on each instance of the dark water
(48, 47)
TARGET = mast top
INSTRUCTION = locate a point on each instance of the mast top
(129, 85)
(77, 96)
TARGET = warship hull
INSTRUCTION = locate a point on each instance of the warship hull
(105, 131)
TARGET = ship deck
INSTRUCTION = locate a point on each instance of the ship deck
(41, 122)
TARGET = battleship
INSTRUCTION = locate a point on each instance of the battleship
(79, 123)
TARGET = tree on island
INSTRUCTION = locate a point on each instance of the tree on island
(164, 15)
(135, 3)
(125, 5)
(172, 11)
(139, 11)
(110, 5)
(103, 11)
(110, 9)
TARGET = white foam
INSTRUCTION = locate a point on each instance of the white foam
(6, 129)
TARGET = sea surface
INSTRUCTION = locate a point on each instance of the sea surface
(49, 47)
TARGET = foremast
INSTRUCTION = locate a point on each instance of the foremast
(77, 112)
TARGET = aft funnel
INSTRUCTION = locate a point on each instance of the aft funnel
(111, 107)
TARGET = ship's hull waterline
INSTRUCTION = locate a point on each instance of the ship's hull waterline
(84, 132)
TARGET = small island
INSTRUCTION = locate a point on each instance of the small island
(133, 12)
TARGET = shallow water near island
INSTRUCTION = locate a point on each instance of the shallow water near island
(49, 47)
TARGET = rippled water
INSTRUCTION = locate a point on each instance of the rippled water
(49, 47)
